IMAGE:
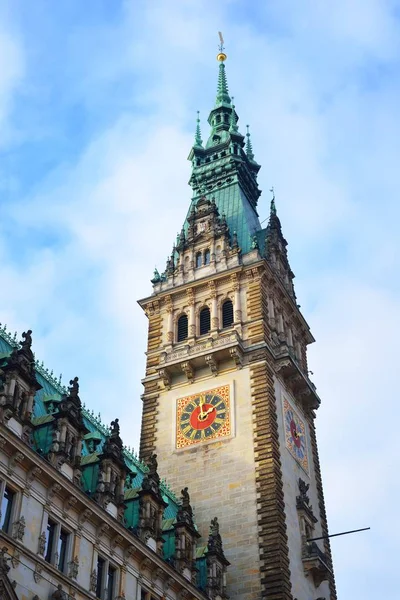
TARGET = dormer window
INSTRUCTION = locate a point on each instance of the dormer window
(199, 260)
(182, 330)
(206, 257)
(205, 320)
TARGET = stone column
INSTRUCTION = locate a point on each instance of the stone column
(237, 304)
(214, 306)
(192, 323)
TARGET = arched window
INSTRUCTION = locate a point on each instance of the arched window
(207, 257)
(205, 320)
(227, 313)
(182, 332)
(198, 260)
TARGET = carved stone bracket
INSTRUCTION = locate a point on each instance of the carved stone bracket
(16, 558)
(188, 370)
(15, 459)
(116, 541)
(73, 568)
(166, 378)
(19, 529)
(68, 504)
(33, 473)
(101, 531)
(212, 363)
(37, 574)
(237, 356)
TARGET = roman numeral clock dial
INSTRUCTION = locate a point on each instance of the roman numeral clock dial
(203, 417)
(295, 435)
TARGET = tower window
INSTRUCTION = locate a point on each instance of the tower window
(182, 328)
(207, 257)
(6, 508)
(100, 574)
(198, 260)
(227, 313)
(111, 583)
(205, 320)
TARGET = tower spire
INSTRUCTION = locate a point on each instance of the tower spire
(249, 147)
(197, 138)
(222, 87)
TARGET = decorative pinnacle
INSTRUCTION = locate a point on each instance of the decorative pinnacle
(273, 207)
(221, 56)
(197, 138)
(249, 147)
(233, 125)
(222, 87)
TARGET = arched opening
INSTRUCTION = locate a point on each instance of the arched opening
(205, 320)
(182, 332)
(198, 260)
(227, 313)
(207, 257)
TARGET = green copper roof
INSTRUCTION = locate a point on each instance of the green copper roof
(225, 170)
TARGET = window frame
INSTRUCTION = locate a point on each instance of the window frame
(222, 313)
(54, 550)
(9, 517)
(105, 592)
(202, 309)
(178, 338)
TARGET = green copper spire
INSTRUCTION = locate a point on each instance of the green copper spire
(198, 142)
(249, 147)
(233, 128)
(222, 88)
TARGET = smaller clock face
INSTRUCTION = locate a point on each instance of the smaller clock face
(295, 435)
(203, 416)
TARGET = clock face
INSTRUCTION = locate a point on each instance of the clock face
(202, 417)
(295, 434)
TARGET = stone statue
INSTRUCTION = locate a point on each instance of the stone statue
(74, 389)
(214, 527)
(153, 464)
(115, 429)
(4, 567)
(27, 340)
(59, 594)
(185, 498)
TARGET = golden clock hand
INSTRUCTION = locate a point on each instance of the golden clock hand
(203, 415)
(202, 400)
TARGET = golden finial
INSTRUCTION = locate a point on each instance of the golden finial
(221, 56)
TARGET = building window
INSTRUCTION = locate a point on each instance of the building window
(207, 257)
(182, 328)
(100, 575)
(106, 579)
(227, 313)
(198, 260)
(6, 508)
(62, 550)
(112, 575)
(205, 320)
(56, 549)
(50, 537)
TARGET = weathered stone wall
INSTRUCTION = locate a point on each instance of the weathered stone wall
(221, 478)
(302, 587)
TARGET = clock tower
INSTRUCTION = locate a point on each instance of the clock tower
(228, 406)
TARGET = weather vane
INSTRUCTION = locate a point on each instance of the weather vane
(221, 56)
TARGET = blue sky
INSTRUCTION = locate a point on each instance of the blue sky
(98, 103)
